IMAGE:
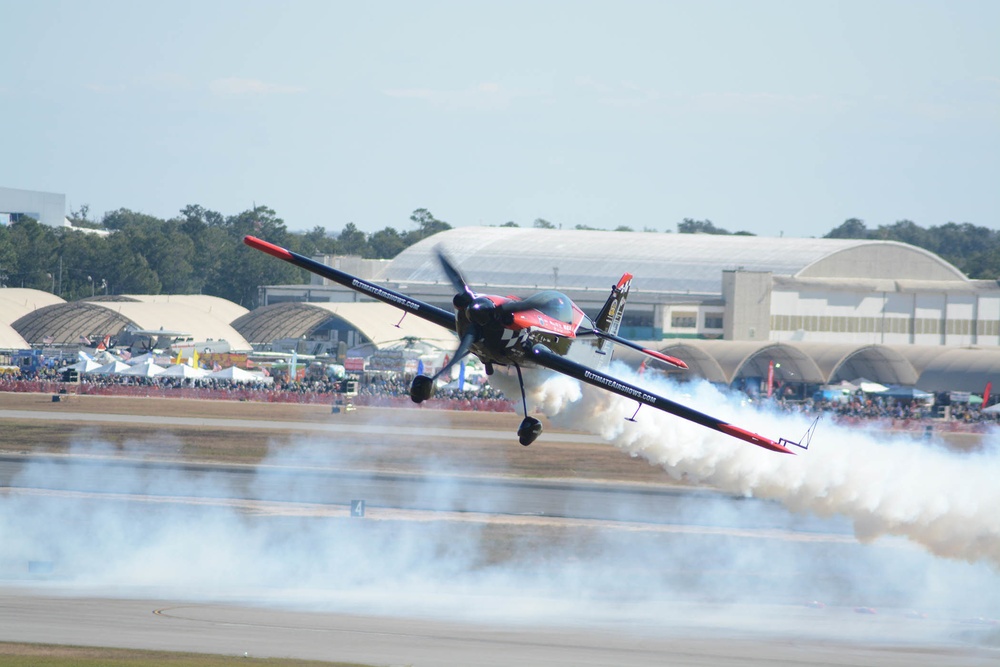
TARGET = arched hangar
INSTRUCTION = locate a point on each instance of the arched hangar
(376, 323)
(66, 323)
(700, 286)
(726, 362)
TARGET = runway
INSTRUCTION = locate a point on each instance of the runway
(449, 569)
(230, 629)
(558, 499)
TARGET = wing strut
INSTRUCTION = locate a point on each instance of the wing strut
(804, 441)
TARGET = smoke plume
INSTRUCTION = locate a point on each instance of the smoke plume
(943, 500)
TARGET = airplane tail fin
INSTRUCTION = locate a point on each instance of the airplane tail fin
(610, 317)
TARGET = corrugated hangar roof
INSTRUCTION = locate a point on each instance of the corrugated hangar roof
(216, 306)
(66, 322)
(814, 363)
(954, 369)
(219, 308)
(504, 256)
(16, 302)
(376, 321)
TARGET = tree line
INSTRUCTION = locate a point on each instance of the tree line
(198, 252)
(201, 251)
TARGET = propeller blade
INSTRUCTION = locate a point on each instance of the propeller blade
(464, 347)
(454, 275)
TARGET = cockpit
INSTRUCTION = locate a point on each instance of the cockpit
(554, 304)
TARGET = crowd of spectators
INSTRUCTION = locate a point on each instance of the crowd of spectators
(374, 387)
(873, 406)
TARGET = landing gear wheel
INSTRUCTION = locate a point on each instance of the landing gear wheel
(530, 429)
(421, 389)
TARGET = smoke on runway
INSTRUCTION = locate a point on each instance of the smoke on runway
(199, 548)
(942, 500)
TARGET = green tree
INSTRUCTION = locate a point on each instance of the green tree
(852, 228)
(541, 223)
(691, 226)
(905, 231)
(37, 255)
(315, 242)
(353, 241)
(86, 262)
(130, 273)
(8, 257)
(427, 225)
(243, 270)
(386, 243)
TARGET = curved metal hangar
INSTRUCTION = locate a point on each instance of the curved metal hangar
(693, 286)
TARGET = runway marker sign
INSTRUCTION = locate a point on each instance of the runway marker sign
(358, 508)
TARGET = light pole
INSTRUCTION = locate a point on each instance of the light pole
(90, 279)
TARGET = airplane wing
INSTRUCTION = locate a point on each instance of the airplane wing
(545, 357)
(423, 310)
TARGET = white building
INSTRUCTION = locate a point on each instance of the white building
(695, 286)
(47, 208)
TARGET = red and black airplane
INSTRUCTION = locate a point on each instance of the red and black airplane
(540, 331)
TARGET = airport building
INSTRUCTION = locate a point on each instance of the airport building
(48, 208)
(737, 309)
(696, 286)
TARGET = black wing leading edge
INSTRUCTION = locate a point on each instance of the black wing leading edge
(545, 357)
(539, 354)
(423, 310)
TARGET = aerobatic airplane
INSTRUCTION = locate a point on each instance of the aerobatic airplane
(540, 331)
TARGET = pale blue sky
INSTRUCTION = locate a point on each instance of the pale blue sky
(769, 116)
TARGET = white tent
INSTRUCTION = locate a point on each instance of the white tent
(85, 366)
(238, 375)
(142, 358)
(114, 368)
(148, 370)
(868, 386)
(183, 371)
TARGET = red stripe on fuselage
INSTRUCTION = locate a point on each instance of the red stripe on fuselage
(269, 248)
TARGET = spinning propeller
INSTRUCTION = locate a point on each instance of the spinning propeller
(480, 312)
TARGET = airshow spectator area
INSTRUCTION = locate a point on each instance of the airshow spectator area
(807, 311)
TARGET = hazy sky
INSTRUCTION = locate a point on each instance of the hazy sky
(768, 117)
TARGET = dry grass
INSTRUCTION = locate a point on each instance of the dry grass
(241, 443)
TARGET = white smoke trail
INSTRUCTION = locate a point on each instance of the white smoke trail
(942, 500)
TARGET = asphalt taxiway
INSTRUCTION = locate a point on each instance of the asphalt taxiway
(465, 626)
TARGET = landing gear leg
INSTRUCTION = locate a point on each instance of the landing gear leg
(530, 427)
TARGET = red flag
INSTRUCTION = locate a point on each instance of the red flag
(986, 394)
(770, 378)
(642, 367)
